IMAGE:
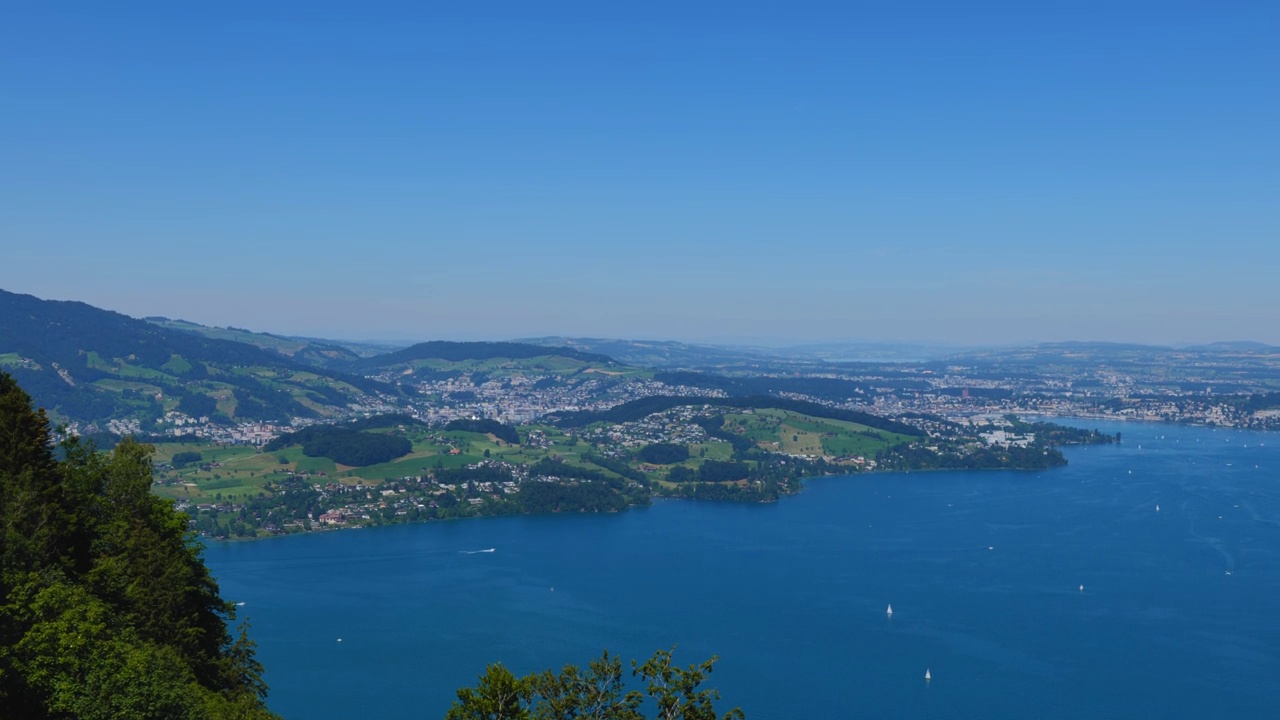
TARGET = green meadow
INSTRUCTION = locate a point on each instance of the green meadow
(238, 471)
(232, 472)
(794, 433)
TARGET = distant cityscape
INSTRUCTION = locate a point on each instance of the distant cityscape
(954, 395)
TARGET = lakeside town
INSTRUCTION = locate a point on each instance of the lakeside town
(604, 477)
(521, 399)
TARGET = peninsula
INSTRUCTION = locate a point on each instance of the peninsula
(394, 469)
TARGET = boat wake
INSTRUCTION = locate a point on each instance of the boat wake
(476, 552)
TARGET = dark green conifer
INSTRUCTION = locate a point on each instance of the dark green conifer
(106, 607)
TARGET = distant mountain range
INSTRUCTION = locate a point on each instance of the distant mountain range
(658, 353)
(1246, 346)
(668, 354)
(1075, 351)
(673, 354)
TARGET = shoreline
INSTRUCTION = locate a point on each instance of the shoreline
(655, 498)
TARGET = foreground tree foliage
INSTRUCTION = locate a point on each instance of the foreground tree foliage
(106, 607)
(600, 693)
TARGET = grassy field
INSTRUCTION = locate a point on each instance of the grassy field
(238, 471)
(241, 471)
(122, 385)
(790, 432)
(232, 471)
(711, 451)
(122, 369)
(176, 365)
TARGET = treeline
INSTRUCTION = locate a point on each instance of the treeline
(767, 478)
(714, 427)
(185, 458)
(1259, 401)
(350, 447)
(344, 445)
(462, 351)
(554, 467)
(197, 404)
(729, 493)
(663, 453)
(503, 432)
(1036, 456)
(1055, 434)
(722, 471)
(835, 389)
(81, 403)
(618, 466)
(106, 607)
(464, 475)
(600, 691)
(710, 471)
(639, 409)
(377, 422)
(550, 497)
(587, 490)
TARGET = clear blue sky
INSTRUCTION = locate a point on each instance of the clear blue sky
(956, 172)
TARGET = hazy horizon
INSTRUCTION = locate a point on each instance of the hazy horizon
(713, 341)
(992, 174)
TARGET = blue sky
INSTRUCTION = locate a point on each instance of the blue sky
(949, 172)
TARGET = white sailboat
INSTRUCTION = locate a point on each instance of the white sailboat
(927, 674)
(1157, 507)
(889, 611)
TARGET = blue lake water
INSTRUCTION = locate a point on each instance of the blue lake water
(983, 570)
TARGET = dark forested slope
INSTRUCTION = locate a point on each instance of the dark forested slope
(461, 351)
(87, 364)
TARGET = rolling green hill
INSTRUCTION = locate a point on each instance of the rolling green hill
(638, 409)
(315, 353)
(662, 353)
(482, 361)
(422, 354)
(86, 364)
(392, 469)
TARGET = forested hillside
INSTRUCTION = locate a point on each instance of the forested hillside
(106, 608)
(833, 389)
(316, 353)
(460, 351)
(638, 409)
(87, 364)
(344, 445)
